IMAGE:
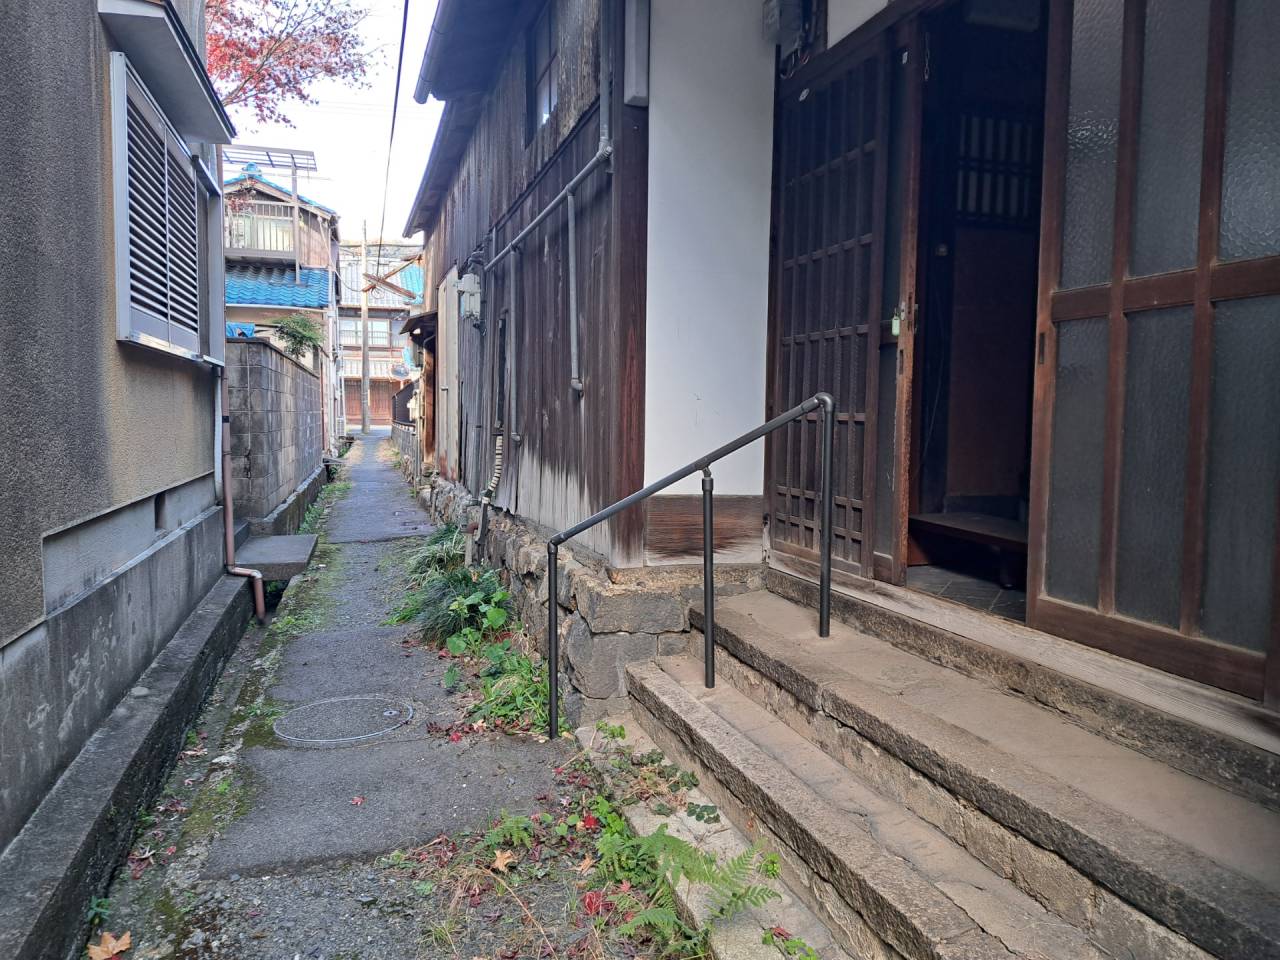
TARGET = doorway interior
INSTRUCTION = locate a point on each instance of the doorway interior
(979, 233)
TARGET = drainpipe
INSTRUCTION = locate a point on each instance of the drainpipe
(222, 416)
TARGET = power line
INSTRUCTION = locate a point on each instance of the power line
(395, 106)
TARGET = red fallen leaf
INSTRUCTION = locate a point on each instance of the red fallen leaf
(593, 903)
(455, 736)
(170, 851)
(782, 933)
(590, 822)
(357, 801)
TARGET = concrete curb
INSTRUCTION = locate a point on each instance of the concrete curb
(69, 848)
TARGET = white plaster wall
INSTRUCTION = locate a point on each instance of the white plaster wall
(845, 16)
(710, 162)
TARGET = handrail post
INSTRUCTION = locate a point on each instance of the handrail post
(708, 580)
(828, 500)
(553, 640)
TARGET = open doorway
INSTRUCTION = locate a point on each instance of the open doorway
(979, 230)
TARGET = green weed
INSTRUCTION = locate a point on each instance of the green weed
(99, 911)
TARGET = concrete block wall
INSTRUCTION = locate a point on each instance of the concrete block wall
(609, 617)
(277, 437)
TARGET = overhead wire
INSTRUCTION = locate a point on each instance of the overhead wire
(395, 107)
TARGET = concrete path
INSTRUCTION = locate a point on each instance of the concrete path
(276, 841)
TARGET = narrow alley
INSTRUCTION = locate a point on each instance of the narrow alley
(326, 746)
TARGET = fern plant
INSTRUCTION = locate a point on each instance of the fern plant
(655, 864)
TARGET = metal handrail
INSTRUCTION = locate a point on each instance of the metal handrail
(819, 401)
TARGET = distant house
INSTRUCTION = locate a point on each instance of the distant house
(267, 280)
(397, 293)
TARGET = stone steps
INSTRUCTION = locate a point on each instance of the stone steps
(1143, 859)
(738, 938)
(889, 882)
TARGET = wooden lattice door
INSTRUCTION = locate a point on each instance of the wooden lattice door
(829, 215)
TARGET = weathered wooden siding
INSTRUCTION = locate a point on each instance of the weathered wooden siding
(577, 453)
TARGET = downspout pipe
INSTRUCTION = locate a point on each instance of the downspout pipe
(222, 408)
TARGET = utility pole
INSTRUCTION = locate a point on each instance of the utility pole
(364, 329)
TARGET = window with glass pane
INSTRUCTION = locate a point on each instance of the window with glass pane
(542, 68)
(379, 334)
(350, 331)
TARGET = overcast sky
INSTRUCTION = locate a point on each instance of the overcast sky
(348, 129)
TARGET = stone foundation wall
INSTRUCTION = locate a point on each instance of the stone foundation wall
(608, 617)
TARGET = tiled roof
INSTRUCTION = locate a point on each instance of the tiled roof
(253, 175)
(274, 286)
(411, 279)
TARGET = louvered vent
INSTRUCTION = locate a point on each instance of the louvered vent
(163, 245)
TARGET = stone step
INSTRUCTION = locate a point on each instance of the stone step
(1209, 733)
(737, 938)
(1091, 828)
(865, 865)
(278, 557)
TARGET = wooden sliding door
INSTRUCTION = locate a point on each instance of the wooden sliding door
(829, 213)
(1156, 454)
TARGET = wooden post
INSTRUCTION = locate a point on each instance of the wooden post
(364, 330)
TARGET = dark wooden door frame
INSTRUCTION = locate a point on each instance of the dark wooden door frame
(1180, 650)
(911, 39)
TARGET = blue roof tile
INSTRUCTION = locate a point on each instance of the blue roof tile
(275, 286)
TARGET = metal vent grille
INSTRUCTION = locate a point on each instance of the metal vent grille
(163, 222)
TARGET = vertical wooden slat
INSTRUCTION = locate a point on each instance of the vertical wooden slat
(1118, 324)
(1197, 466)
(875, 307)
(1058, 76)
(1271, 675)
(904, 392)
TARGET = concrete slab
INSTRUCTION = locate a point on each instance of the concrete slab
(413, 791)
(279, 558)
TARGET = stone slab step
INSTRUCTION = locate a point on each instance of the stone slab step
(1202, 861)
(880, 903)
(279, 558)
(741, 937)
(1211, 734)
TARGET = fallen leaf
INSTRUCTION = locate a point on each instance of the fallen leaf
(110, 946)
(455, 737)
(357, 801)
(502, 860)
(585, 866)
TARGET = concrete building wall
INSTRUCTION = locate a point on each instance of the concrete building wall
(710, 167)
(277, 439)
(98, 435)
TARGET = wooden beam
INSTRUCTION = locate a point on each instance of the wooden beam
(1117, 320)
(1201, 388)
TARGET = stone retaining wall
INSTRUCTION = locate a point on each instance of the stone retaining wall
(277, 444)
(608, 617)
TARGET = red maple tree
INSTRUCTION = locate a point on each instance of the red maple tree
(263, 54)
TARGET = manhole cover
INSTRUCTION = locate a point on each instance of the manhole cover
(342, 720)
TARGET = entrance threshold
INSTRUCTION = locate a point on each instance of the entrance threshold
(1208, 732)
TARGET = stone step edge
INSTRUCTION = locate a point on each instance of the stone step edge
(736, 939)
(1227, 914)
(1180, 742)
(889, 896)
